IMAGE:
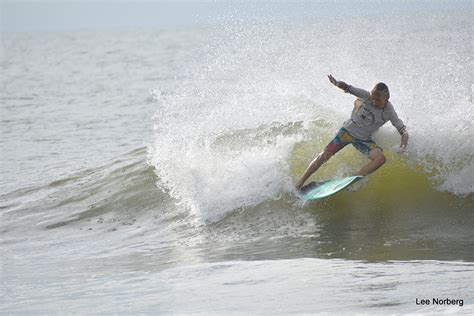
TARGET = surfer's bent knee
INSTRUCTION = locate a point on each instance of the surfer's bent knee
(377, 155)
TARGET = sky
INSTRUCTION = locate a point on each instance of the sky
(77, 15)
(28, 16)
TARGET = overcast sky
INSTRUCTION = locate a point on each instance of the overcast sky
(71, 15)
(92, 15)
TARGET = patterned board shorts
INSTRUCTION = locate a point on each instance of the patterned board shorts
(343, 138)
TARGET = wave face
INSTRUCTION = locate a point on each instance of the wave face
(105, 211)
(256, 107)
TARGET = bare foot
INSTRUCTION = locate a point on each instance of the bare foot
(298, 186)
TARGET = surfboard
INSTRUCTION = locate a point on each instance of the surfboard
(316, 191)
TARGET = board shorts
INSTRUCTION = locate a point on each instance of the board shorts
(343, 138)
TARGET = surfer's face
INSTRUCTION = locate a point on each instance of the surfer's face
(378, 99)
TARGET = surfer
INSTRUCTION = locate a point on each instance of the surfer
(371, 111)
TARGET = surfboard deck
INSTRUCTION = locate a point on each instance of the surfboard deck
(316, 191)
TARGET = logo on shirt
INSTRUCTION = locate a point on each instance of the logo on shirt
(365, 117)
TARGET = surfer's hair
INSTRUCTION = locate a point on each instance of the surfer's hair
(382, 89)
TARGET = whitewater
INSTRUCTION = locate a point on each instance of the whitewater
(153, 171)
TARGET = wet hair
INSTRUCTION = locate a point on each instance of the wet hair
(382, 89)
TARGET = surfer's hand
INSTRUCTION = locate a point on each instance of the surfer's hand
(402, 150)
(404, 143)
(333, 80)
(340, 84)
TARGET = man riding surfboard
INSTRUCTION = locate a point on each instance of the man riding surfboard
(371, 111)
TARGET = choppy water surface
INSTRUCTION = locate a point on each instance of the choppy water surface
(152, 172)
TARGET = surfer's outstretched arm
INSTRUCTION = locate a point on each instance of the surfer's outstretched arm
(358, 92)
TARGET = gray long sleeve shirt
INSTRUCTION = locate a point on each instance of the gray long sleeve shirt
(367, 118)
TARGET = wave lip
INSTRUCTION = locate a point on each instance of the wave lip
(215, 179)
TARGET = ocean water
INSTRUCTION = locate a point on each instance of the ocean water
(152, 171)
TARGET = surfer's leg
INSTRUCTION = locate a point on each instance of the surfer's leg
(342, 139)
(377, 160)
(314, 166)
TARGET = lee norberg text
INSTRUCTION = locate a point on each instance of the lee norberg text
(439, 301)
